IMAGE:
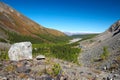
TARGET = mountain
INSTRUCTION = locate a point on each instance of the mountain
(78, 33)
(103, 51)
(15, 27)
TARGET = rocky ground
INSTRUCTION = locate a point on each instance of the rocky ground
(92, 49)
(40, 70)
(37, 69)
(110, 66)
(79, 72)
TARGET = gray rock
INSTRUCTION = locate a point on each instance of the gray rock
(30, 79)
(108, 78)
(81, 72)
(23, 70)
(62, 77)
(4, 46)
(116, 75)
(20, 51)
(4, 78)
(40, 57)
(104, 68)
(45, 77)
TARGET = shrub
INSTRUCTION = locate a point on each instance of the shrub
(4, 55)
(3, 40)
(55, 70)
(105, 53)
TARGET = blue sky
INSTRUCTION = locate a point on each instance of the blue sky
(70, 15)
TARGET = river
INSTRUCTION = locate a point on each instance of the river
(74, 40)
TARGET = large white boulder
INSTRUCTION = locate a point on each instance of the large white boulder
(20, 51)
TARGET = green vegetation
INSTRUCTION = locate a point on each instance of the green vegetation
(84, 36)
(4, 55)
(48, 38)
(48, 45)
(2, 40)
(61, 51)
(55, 70)
(54, 39)
(65, 52)
(105, 53)
(13, 37)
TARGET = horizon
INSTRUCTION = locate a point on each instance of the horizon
(77, 16)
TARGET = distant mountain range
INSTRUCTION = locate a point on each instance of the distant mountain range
(15, 27)
(78, 33)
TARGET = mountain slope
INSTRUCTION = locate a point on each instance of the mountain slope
(12, 22)
(103, 50)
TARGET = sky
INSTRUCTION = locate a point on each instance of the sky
(88, 16)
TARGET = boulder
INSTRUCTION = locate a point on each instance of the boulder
(40, 57)
(23, 69)
(20, 51)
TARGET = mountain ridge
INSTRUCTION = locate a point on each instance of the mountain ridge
(79, 33)
(15, 22)
(103, 51)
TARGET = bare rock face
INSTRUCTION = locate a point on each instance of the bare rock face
(20, 51)
(115, 27)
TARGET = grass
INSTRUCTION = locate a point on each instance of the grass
(3, 40)
(84, 36)
(54, 70)
(14, 37)
(51, 46)
(4, 55)
(61, 51)
(105, 53)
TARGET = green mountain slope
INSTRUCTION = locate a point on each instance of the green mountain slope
(14, 27)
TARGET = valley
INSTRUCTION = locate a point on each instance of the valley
(55, 55)
(75, 40)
